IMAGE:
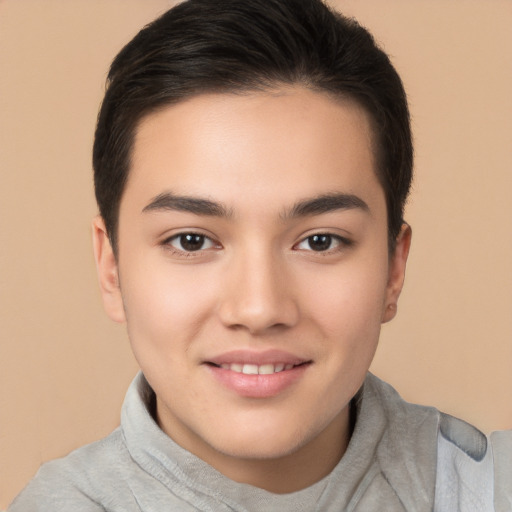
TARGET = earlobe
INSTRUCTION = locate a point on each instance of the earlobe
(106, 267)
(396, 274)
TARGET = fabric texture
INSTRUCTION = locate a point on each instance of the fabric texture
(401, 457)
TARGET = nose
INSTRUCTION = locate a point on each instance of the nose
(258, 294)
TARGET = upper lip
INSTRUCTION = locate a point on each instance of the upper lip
(257, 358)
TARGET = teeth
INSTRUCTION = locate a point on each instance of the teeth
(250, 369)
(266, 369)
(254, 369)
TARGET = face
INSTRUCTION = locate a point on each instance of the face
(253, 269)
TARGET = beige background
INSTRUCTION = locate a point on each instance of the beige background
(65, 367)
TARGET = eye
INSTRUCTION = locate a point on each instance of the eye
(322, 242)
(190, 242)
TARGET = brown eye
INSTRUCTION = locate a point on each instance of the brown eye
(190, 242)
(319, 242)
(323, 242)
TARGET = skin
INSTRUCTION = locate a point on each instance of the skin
(254, 283)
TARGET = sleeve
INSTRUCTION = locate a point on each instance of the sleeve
(501, 445)
(465, 469)
(50, 491)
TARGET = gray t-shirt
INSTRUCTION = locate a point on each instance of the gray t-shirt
(390, 464)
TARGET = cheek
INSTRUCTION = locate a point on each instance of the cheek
(165, 303)
(349, 299)
(347, 306)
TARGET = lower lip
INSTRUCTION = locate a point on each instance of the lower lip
(258, 386)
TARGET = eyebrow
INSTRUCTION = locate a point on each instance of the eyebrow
(311, 206)
(326, 203)
(198, 206)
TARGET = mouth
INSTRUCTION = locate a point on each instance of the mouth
(258, 375)
(255, 369)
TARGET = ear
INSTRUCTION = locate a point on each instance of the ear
(396, 275)
(108, 275)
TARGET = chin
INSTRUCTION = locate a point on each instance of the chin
(261, 444)
(263, 452)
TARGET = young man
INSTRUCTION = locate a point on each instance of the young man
(252, 160)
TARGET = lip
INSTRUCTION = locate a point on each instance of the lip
(259, 358)
(257, 386)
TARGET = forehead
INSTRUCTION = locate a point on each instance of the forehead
(277, 145)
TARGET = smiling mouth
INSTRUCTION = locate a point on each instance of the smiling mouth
(258, 375)
(254, 369)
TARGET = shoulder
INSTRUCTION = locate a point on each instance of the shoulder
(501, 446)
(474, 472)
(77, 480)
(468, 470)
(406, 450)
(406, 422)
(464, 438)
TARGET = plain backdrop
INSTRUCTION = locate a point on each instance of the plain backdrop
(65, 367)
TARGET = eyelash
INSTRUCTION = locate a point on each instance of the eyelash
(167, 243)
(340, 242)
